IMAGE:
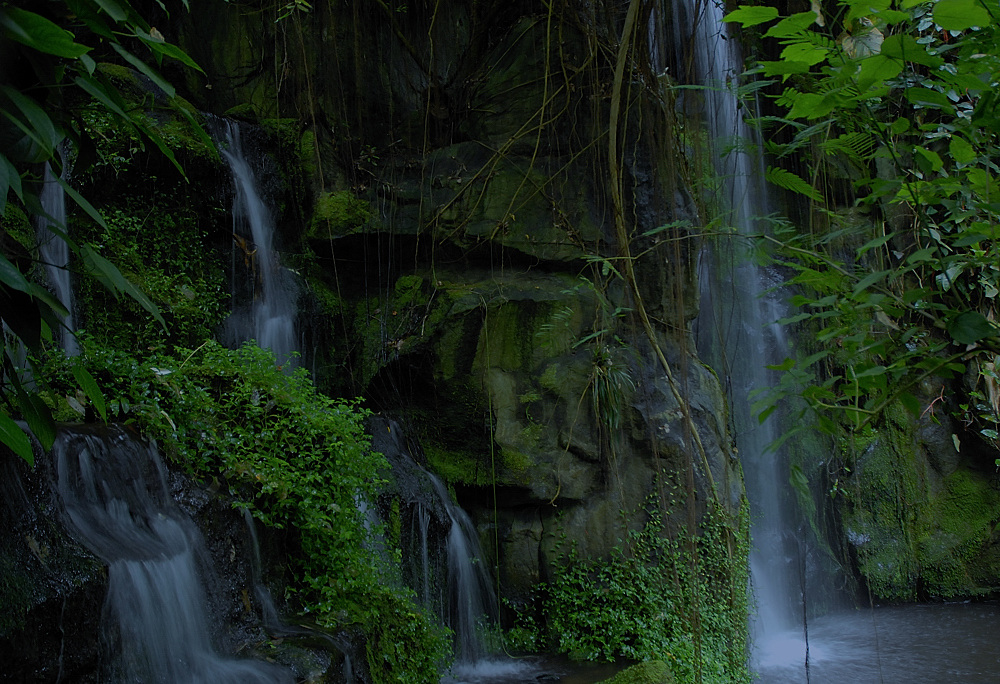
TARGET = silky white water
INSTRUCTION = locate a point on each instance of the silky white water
(737, 329)
(156, 625)
(270, 316)
(54, 253)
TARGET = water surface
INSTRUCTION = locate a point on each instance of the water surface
(926, 644)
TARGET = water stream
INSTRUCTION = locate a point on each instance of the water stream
(157, 627)
(54, 253)
(265, 292)
(738, 335)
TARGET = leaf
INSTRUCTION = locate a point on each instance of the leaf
(789, 181)
(933, 159)
(146, 70)
(91, 389)
(871, 372)
(36, 124)
(751, 15)
(872, 244)
(790, 26)
(163, 48)
(39, 33)
(82, 203)
(14, 437)
(876, 70)
(115, 282)
(863, 42)
(969, 327)
(958, 15)
(113, 9)
(38, 417)
(12, 277)
(804, 52)
(905, 47)
(910, 403)
(798, 480)
(961, 150)
(787, 364)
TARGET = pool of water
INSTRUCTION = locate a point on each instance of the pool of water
(926, 644)
(540, 670)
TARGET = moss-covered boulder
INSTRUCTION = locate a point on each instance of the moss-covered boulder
(650, 672)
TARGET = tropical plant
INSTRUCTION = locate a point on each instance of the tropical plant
(51, 55)
(894, 105)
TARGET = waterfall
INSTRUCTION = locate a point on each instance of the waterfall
(54, 253)
(442, 555)
(156, 624)
(738, 334)
(269, 317)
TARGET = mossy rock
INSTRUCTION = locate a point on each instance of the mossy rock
(337, 214)
(650, 672)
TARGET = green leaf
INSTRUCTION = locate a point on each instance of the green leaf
(91, 389)
(14, 437)
(932, 158)
(39, 33)
(871, 372)
(12, 277)
(751, 15)
(804, 52)
(905, 47)
(38, 417)
(784, 68)
(910, 403)
(146, 70)
(969, 327)
(787, 364)
(784, 178)
(869, 280)
(37, 124)
(82, 203)
(162, 48)
(115, 282)
(961, 150)
(876, 242)
(876, 70)
(928, 97)
(790, 26)
(113, 9)
(958, 15)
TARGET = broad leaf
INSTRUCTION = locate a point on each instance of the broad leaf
(751, 15)
(969, 327)
(958, 15)
(14, 437)
(91, 389)
(39, 33)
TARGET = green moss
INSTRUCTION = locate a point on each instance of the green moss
(963, 519)
(650, 672)
(14, 222)
(337, 214)
(244, 111)
(455, 465)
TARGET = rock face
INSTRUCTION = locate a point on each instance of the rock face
(463, 253)
(920, 511)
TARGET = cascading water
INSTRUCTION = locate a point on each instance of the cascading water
(737, 332)
(442, 554)
(115, 495)
(54, 253)
(269, 318)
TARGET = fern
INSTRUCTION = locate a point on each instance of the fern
(784, 178)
